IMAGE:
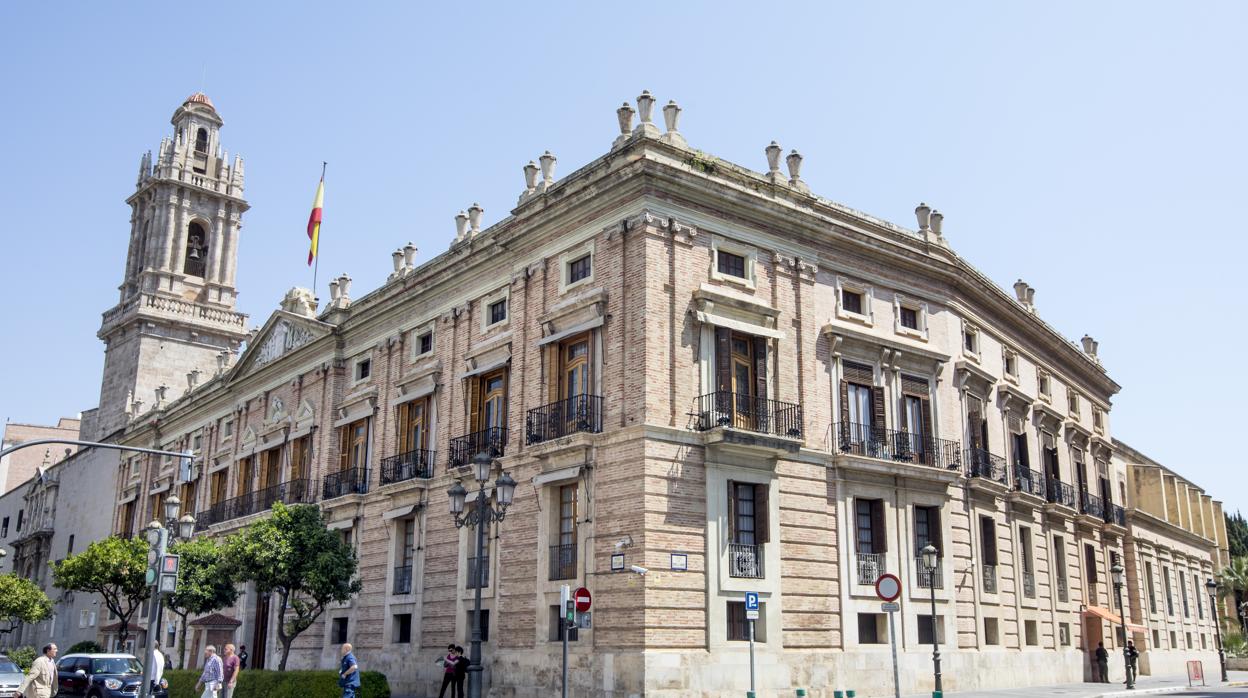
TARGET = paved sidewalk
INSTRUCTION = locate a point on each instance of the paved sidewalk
(1147, 685)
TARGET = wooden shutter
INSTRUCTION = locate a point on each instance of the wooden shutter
(723, 360)
(879, 533)
(983, 432)
(474, 404)
(988, 534)
(933, 530)
(877, 408)
(732, 511)
(762, 522)
(845, 413)
(1024, 455)
(344, 446)
(925, 409)
(553, 371)
(760, 367)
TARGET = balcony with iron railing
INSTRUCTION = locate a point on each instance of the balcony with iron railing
(463, 448)
(472, 580)
(989, 573)
(896, 446)
(573, 415)
(928, 579)
(987, 466)
(344, 482)
(1028, 481)
(745, 561)
(1091, 505)
(563, 561)
(416, 464)
(403, 579)
(290, 492)
(748, 413)
(869, 567)
(1115, 514)
(1058, 492)
(1029, 584)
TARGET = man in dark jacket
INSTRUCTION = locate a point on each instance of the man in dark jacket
(1133, 657)
(461, 671)
(1102, 663)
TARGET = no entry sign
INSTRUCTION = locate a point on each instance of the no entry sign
(582, 599)
(888, 587)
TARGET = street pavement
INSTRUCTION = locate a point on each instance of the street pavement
(1147, 685)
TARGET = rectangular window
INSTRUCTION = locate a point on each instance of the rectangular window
(1174, 640)
(69, 549)
(991, 636)
(558, 624)
(301, 458)
(925, 629)
(414, 427)
(498, 311)
(1059, 565)
(578, 269)
(353, 445)
(730, 264)
(1188, 638)
(347, 536)
(859, 402)
(976, 423)
(403, 628)
(1072, 403)
(271, 468)
(1156, 639)
(567, 515)
(1063, 634)
(1011, 364)
(1098, 419)
(851, 301)
(4, 527)
(872, 629)
(1031, 634)
(970, 341)
(1148, 586)
(406, 555)
(909, 318)
(1021, 456)
(1183, 595)
(485, 624)
(1089, 560)
(363, 369)
(1028, 564)
(1165, 581)
(340, 630)
(869, 524)
(227, 428)
(1200, 607)
(424, 343)
(1045, 385)
(487, 402)
(246, 475)
(988, 545)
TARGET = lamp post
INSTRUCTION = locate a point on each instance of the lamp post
(480, 516)
(930, 560)
(158, 539)
(1212, 586)
(1116, 572)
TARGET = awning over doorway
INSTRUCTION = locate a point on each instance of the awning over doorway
(1104, 613)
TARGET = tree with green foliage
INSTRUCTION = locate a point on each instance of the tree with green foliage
(115, 568)
(23, 657)
(293, 555)
(21, 601)
(204, 582)
(1237, 534)
(85, 647)
(1234, 583)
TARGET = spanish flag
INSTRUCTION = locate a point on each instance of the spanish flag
(314, 220)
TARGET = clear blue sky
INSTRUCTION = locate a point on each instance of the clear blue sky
(1096, 150)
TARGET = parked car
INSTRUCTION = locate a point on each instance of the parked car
(10, 676)
(103, 676)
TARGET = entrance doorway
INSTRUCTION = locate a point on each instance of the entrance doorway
(260, 636)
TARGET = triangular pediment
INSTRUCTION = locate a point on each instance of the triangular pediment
(283, 334)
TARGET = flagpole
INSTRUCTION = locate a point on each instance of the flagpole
(316, 261)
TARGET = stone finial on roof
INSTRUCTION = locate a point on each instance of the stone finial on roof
(530, 182)
(474, 218)
(774, 151)
(645, 108)
(938, 220)
(625, 116)
(1090, 346)
(794, 161)
(671, 116)
(923, 213)
(548, 170)
(409, 255)
(461, 226)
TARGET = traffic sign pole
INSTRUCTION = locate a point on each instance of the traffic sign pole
(751, 615)
(892, 638)
(565, 603)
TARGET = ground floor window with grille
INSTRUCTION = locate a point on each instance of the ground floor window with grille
(340, 630)
(872, 629)
(1063, 634)
(991, 636)
(925, 629)
(558, 624)
(1031, 633)
(485, 624)
(739, 627)
(403, 628)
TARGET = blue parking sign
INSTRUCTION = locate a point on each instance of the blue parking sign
(751, 600)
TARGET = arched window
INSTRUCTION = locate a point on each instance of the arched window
(196, 251)
(201, 141)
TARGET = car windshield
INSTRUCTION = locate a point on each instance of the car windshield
(7, 667)
(116, 665)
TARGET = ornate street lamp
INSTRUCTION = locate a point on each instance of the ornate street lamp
(1116, 572)
(931, 558)
(1212, 586)
(480, 516)
(158, 537)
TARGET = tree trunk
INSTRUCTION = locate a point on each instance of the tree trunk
(282, 637)
(181, 638)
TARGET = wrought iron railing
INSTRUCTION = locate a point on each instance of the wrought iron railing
(899, 446)
(1028, 481)
(563, 561)
(990, 578)
(472, 572)
(745, 561)
(1115, 514)
(463, 448)
(1091, 505)
(403, 579)
(1060, 493)
(407, 466)
(982, 464)
(1029, 584)
(928, 578)
(290, 492)
(870, 567)
(729, 409)
(579, 413)
(1062, 593)
(344, 482)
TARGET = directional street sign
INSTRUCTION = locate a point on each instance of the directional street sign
(890, 607)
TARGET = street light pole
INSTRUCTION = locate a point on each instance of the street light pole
(931, 560)
(479, 517)
(1212, 586)
(1116, 572)
(158, 538)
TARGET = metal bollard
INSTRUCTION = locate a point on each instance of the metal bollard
(838, 694)
(801, 693)
(849, 694)
(749, 694)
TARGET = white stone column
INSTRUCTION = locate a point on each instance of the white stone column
(214, 249)
(179, 236)
(230, 255)
(166, 235)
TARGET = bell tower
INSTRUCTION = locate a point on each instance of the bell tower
(175, 314)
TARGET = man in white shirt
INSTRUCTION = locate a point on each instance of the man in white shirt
(158, 663)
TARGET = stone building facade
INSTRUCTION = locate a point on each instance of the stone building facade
(19, 466)
(723, 379)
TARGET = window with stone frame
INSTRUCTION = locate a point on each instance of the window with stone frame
(731, 264)
(216, 487)
(916, 420)
(413, 426)
(196, 251)
(497, 311)
(246, 476)
(739, 625)
(559, 625)
(852, 301)
(579, 269)
(861, 407)
(301, 458)
(353, 445)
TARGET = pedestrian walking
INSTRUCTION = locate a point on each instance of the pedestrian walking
(242, 656)
(231, 667)
(448, 671)
(1102, 663)
(349, 673)
(158, 664)
(461, 671)
(1133, 657)
(40, 681)
(212, 675)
